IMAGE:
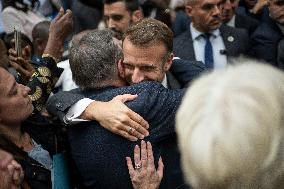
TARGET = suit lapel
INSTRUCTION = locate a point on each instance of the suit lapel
(191, 48)
(229, 40)
(172, 82)
(240, 21)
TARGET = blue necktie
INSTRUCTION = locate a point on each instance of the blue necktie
(208, 52)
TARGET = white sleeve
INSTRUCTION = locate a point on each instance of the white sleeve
(76, 110)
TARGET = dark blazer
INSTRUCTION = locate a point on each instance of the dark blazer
(280, 56)
(261, 16)
(181, 23)
(184, 72)
(183, 44)
(100, 154)
(246, 22)
(264, 42)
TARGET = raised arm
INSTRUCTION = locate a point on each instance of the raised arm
(42, 79)
(114, 115)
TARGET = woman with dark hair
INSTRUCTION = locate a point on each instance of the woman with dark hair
(18, 14)
(31, 140)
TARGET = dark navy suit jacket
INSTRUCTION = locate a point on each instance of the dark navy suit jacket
(265, 41)
(183, 44)
(280, 57)
(100, 154)
(246, 22)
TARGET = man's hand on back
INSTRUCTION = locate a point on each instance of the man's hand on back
(116, 117)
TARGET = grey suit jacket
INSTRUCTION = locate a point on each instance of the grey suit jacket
(183, 44)
(100, 154)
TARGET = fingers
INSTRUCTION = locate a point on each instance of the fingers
(131, 130)
(125, 97)
(126, 135)
(137, 160)
(18, 68)
(160, 169)
(133, 115)
(144, 158)
(18, 173)
(26, 52)
(130, 166)
(12, 52)
(138, 119)
(150, 154)
(130, 120)
(67, 14)
(5, 159)
(59, 15)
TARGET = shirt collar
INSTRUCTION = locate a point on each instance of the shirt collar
(195, 34)
(165, 82)
(232, 21)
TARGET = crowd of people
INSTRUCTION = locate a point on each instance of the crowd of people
(142, 94)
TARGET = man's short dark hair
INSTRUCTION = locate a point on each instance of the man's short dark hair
(131, 5)
(93, 61)
(148, 32)
(41, 30)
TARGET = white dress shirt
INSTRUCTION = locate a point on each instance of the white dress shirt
(65, 80)
(220, 59)
(232, 22)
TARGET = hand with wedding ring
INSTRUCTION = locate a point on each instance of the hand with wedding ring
(144, 175)
(116, 117)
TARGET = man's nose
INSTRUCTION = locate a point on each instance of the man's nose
(111, 24)
(137, 76)
(216, 11)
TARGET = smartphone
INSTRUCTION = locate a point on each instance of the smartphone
(18, 42)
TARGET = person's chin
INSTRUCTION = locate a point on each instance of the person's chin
(118, 35)
(215, 25)
(225, 17)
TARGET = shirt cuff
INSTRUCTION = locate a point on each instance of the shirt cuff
(76, 110)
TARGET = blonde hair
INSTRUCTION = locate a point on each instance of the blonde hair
(230, 128)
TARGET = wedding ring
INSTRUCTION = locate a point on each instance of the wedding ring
(130, 130)
(138, 166)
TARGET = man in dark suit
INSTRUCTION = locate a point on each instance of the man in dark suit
(230, 17)
(120, 14)
(208, 40)
(94, 149)
(267, 36)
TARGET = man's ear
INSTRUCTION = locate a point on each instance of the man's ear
(169, 62)
(137, 16)
(120, 68)
(188, 10)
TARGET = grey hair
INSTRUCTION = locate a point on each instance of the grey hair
(93, 60)
(230, 128)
